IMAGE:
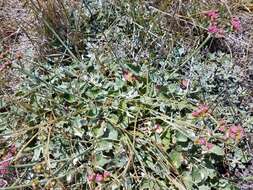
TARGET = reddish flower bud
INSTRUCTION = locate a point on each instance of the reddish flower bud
(128, 76)
(213, 29)
(13, 149)
(209, 146)
(91, 177)
(2, 66)
(201, 110)
(4, 165)
(236, 23)
(158, 129)
(202, 141)
(99, 178)
(222, 128)
(212, 15)
(235, 132)
(106, 174)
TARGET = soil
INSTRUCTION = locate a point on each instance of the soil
(14, 40)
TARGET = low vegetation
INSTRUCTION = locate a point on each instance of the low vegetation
(128, 95)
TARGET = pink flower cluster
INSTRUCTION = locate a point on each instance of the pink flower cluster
(236, 24)
(202, 141)
(6, 161)
(213, 15)
(99, 178)
(235, 132)
(200, 111)
(213, 28)
(158, 129)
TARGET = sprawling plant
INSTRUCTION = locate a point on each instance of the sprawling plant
(118, 104)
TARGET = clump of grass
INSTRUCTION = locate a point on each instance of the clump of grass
(60, 27)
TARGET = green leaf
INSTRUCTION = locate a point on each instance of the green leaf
(199, 174)
(166, 139)
(2, 103)
(147, 184)
(118, 84)
(77, 127)
(101, 160)
(180, 137)
(113, 134)
(187, 179)
(176, 158)
(36, 154)
(211, 172)
(104, 146)
(78, 132)
(69, 98)
(93, 92)
(135, 69)
(204, 187)
(217, 150)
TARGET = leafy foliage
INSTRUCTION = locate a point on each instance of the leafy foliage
(124, 105)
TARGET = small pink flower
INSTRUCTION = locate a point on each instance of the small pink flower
(128, 76)
(204, 108)
(158, 129)
(212, 14)
(106, 174)
(213, 29)
(195, 114)
(233, 129)
(201, 110)
(222, 128)
(91, 177)
(202, 141)
(235, 132)
(220, 33)
(236, 23)
(209, 146)
(12, 149)
(5, 164)
(99, 178)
